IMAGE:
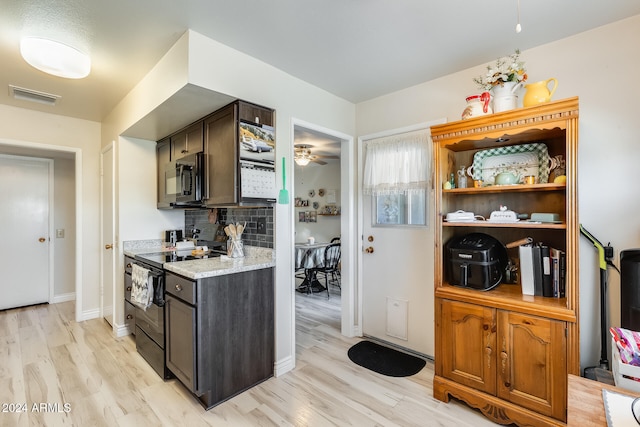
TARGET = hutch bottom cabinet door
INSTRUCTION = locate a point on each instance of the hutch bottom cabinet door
(468, 343)
(532, 366)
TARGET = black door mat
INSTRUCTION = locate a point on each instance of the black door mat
(385, 360)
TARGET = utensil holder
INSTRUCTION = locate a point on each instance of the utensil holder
(235, 248)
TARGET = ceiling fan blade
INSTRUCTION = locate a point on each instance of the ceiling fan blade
(320, 162)
(327, 157)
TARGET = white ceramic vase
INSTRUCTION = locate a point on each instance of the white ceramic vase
(504, 96)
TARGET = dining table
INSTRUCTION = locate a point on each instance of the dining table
(309, 256)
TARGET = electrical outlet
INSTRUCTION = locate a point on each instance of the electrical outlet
(261, 226)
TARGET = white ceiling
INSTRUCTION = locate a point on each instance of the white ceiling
(356, 49)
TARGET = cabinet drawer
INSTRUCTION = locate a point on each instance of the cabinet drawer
(181, 287)
(130, 316)
(128, 265)
(127, 287)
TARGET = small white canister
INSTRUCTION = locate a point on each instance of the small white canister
(477, 105)
(311, 240)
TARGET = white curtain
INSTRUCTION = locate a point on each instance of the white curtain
(397, 164)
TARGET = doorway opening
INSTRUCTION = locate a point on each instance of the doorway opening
(323, 209)
(67, 215)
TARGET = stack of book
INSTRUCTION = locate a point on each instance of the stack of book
(542, 270)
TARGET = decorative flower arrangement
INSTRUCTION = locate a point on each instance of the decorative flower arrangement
(506, 69)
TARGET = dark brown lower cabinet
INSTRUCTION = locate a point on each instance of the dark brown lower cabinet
(180, 347)
(220, 332)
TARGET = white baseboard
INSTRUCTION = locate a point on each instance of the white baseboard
(71, 296)
(90, 314)
(283, 366)
(122, 330)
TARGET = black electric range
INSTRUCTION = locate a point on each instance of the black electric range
(158, 259)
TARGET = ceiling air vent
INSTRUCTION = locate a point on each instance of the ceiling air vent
(33, 95)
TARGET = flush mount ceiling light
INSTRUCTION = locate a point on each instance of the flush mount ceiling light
(55, 58)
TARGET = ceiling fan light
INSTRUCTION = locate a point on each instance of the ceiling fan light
(55, 58)
(302, 161)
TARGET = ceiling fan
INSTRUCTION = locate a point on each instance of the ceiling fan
(302, 155)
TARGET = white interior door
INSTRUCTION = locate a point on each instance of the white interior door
(107, 284)
(25, 251)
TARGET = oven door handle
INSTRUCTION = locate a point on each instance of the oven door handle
(158, 289)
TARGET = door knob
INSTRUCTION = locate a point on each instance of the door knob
(369, 250)
(108, 246)
(370, 238)
(42, 240)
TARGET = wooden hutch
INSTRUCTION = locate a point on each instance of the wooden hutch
(502, 352)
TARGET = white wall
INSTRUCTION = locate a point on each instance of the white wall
(64, 217)
(315, 177)
(598, 66)
(44, 131)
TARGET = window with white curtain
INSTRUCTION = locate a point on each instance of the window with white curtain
(396, 175)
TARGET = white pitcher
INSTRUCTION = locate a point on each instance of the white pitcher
(504, 96)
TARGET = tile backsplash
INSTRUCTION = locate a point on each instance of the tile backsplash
(200, 219)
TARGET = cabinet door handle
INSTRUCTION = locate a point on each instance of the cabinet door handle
(178, 288)
(488, 352)
(128, 288)
(505, 368)
(129, 317)
(129, 265)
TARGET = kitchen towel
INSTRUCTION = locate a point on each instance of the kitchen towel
(141, 287)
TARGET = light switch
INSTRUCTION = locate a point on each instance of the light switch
(60, 233)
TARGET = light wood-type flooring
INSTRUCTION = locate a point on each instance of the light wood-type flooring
(56, 372)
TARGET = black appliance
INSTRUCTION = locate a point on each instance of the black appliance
(158, 259)
(150, 322)
(630, 289)
(150, 340)
(184, 181)
(173, 236)
(475, 261)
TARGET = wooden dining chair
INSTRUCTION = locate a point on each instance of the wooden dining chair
(332, 254)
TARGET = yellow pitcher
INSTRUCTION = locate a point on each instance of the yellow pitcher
(538, 93)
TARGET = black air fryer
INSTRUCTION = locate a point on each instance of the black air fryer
(475, 261)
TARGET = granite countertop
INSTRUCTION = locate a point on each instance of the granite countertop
(210, 267)
(255, 258)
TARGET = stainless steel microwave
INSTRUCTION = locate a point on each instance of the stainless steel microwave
(184, 181)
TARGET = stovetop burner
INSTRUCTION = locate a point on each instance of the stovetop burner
(157, 259)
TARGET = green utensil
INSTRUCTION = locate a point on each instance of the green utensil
(283, 197)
